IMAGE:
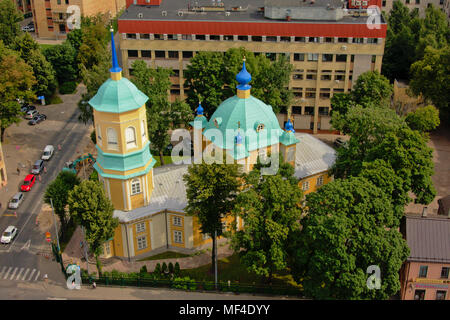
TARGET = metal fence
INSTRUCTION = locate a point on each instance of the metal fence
(191, 285)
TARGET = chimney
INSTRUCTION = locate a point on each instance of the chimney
(424, 212)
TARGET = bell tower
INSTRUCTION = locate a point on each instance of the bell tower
(124, 163)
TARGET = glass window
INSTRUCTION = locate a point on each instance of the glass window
(142, 242)
(305, 185)
(444, 272)
(107, 248)
(300, 39)
(423, 271)
(419, 295)
(440, 295)
(130, 137)
(319, 181)
(200, 37)
(178, 236)
(214, 37)
(327, 57)
(342, 40)
(341, 58)
(131, 35)
(329, 39)
(309, 111)
(140, 227)
(177, 221)
(299, 57)
(271, 38)
(146, 54)
(144, 36)
(313, 56)
(372, 40)
(187, 54)
(296, 109)
(135, 186)
(173, 54)
(112, 139)
(132, 53)
(324, 111)
(243, 38)
(313, 39)
(160, 54)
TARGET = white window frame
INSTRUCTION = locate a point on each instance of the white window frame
(140, 227)
(113, 140)
(319, 181)
(177, 221)
(178, 236)
(107, 248)
(141, 242)
(136, 186)
(305, 185)
(130, 141)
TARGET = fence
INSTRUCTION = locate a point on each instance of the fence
(190, 285)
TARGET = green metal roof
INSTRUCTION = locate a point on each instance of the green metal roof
(288, 138)
(133, 175)
(249, 112)
(199, 122)
(117, 96)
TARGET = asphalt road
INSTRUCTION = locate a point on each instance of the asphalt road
(28, 257)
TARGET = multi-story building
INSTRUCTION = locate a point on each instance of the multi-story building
(3, 177)
(425, 274)
(50, 16)
(419, 5)
(24, 6)
(328, 45)
(446, 8)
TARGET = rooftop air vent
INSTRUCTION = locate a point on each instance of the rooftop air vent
(140, 15)
(180, 13)
(164, 13)
(227, 13)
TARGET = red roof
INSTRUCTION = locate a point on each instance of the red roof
(326, 29)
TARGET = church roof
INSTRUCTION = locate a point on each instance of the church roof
(117, 96)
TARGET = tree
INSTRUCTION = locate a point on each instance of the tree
(75, 39)
(211, 192)
(270, 210)
(372, 89)
(63, 58)
(431, 77)
(16, 81)
(94, 43)
(91, 209)
(423, 119)
(9, 21)
(43, 71)
(341, 102)
(379, 133)
(58, 191)
(348, 227)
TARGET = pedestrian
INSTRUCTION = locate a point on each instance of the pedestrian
(18, 171)
(94, 285)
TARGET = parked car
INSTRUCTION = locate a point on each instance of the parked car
(38, 167)
(9, 234)
(28, 28)
(340, 142)
(28, 182)
(38, 118)
(48, 152)
(16, 200)
(26, 107)
(31, 114)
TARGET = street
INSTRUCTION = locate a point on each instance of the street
(28, 257)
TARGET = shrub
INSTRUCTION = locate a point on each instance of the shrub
(170, 267)
(164, 268)
(157, 270)
(94, 176)
(68, 87)
(143, 269)
(93, 137)
(184, 283)
(177, 270)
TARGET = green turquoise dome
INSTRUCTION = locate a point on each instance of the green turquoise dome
(257, 123)
(117, 96)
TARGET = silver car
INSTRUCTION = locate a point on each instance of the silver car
(16, 200)
(37, 167)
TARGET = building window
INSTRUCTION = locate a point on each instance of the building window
(142, 242)
(130, 137)
(299, 57)
(309, 111)
(372, 40)
(271, 56)
(319, 181)
(177, 221)
(327, 57)
(297, 76)
(144, 36)
(313, 56)
(358, 40)
(339, 77)
(135, 186)
(112, 139)
(305, 185)
(172, 37)
(299, 39)
(243, 38)
(228, 38)
(271, 38)
(296, 109)
(160, 54)
(200, 37)
(324, 111)
(313, 39)
(107, 250)
(143, 132)
(131, 35)
(423, 271)
(329, 39)
(342, 40)
(132, 53)
(186, 37)
(311, 77)
(187, 54)
(285, 39)
(444, 272)
(173, 54)
(259, 127)
(419, 295)
(214, 37)
(417, 1)
(325, 77)
(146, 54)
(341, 58)
(140, 227)
(178, 236)
(440, 295)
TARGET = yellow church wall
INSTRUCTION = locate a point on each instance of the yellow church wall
(118, 242)
(173, 228)
(137, 200)
(126, 172)
(312, 181)
(137, 235)
(116, 192)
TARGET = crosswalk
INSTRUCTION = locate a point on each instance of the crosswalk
(19, 274)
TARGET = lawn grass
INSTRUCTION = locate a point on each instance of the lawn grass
(166, 255)
(167, 160)
(230, 268)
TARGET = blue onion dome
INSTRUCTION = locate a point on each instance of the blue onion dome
(115, 64)
(238, 139)
(243, 77)
(289, 127)
(199, 109)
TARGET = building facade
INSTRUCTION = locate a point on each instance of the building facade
(425, 274)
(419, 5)
(3, 176)
(24, 6)
(50, 16)
(329, 46)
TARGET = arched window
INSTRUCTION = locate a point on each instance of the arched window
(130, 137)
(99, 135)
(144, 135)
(135, 186)
(113, 142)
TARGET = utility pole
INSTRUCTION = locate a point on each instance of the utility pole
(56, 228)
(85, 249)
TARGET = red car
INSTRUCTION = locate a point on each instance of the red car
(28, 182)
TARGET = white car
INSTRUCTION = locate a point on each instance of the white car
(48, 152)
(9, 234)
(16, 200)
